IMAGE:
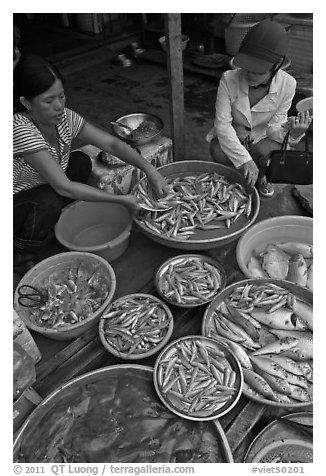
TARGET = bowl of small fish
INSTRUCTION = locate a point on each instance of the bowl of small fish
(209, 205)
(136, 326)
(279, 248)
(198, 378)
(64, 295)
(142, 128)
(190, 280)
(268, 324)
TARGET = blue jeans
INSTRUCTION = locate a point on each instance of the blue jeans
(37, 210)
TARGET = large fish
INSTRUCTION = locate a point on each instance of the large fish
(309, 284)
(267, 365)
(275, 262)
(303, 350)
(280, 319)
(255, 269)
(304, 311)
(290, 365)
(297, 272)
(278, 346)
(293, 247)
(258, 383)
(283, 386)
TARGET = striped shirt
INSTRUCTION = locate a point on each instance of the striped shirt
(28, 138)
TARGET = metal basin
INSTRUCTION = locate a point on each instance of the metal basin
(206, 239)
(133, 121)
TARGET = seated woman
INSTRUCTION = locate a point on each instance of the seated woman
(47, 175)
(252, 104)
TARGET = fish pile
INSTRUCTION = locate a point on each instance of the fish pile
(196, 378)
(271, 332)
(134, 325)
(189, 280)
(195, 202)
(292, 261)
(73, 294)
(116, 416)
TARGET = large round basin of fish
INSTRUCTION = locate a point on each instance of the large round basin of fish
(267, 323)
(76, 287)
(113, 415)
(210, 205)
(278, 248)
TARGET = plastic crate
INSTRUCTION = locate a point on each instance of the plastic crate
(238, 28)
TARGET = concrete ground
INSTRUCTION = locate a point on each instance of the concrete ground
(101, 91)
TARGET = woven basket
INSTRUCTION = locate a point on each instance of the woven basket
(238, 28)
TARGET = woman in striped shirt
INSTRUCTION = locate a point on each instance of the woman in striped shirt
(47, 175)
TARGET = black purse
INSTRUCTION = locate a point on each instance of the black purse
(290, 166)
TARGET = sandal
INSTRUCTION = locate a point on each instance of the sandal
(266, 189)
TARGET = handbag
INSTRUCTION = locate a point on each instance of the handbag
(290, 166)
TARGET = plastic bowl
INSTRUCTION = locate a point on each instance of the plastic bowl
(204, 239)
(191, 351)
(137, 328)
(184, 42)
(57, 263)
(273, 230)
(133, 121)
(194, 297)
(95, 227)
(306, 104)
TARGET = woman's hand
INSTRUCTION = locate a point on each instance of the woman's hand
(158, 182)
(250, 171)
(130, 201)
(299, 124)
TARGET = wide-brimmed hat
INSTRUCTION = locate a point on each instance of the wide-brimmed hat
(263, 46)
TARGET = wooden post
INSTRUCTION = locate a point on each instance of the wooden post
(172, 23)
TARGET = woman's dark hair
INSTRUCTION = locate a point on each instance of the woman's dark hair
(33, 75)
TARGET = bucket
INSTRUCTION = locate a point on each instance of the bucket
(94, 227)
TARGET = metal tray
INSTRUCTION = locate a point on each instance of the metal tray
(276, 433)
(296, 290)
(29, 443)
(205, 239)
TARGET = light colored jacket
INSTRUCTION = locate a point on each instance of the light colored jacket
(235, 120)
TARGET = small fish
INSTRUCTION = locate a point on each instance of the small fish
(280, 319)
(255, 268)
(237, 318)
(281, 345)
(237, 330)
(275, 262)
(239, 352)
(297, 272)
(293, 247)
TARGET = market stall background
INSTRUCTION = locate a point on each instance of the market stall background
(102, 89)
